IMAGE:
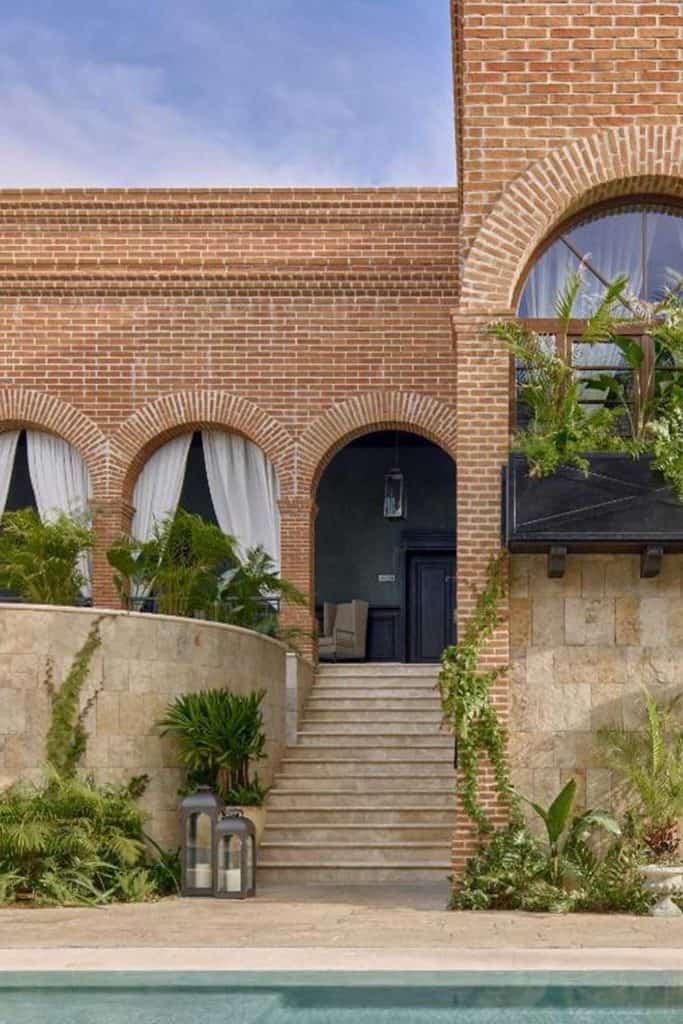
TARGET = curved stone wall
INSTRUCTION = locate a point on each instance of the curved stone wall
(143, 663)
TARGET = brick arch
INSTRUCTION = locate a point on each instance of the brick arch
(21, 408)
(628, 160)
(156, 423)
(378, 410)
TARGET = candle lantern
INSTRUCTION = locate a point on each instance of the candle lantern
(199, 816)
(235, 856)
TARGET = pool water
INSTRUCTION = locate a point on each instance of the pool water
(341, 998)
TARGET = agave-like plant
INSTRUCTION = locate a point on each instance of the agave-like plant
(649, 762)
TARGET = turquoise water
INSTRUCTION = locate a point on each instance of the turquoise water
(341, 998)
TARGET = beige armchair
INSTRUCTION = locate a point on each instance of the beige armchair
(344, 631)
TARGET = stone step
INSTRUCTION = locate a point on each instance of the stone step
(330, 691)
(443, 781)
(362, 727)
(397, 752)
(309, 873)
(351, 768)
(293, 797)
(364, 741)
(364, 704)
(376, 670)
(314, 833)
(371, 816)
(340, 854)
(371, 716)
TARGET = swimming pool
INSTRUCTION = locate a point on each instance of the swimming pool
(341, 998)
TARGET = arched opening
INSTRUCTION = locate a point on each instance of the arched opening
(639, 239)
(223, 477)
(385, 538)
(44, 472)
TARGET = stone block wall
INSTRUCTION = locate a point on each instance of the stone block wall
(143, 663)
(582, 647)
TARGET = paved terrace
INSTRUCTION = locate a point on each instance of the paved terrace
(327, 928)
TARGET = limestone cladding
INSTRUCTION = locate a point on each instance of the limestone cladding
(143, 663)
(582, 647)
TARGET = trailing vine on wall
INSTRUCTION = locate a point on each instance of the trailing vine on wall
(66, 736)
(467, 706)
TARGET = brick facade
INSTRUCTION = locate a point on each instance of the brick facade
(302, 318)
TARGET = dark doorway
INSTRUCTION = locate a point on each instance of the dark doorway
(431, 602)
(363, 555)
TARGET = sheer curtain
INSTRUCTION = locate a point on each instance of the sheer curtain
(61, 483)
(8, 448)
(158, 488)
(244, 490)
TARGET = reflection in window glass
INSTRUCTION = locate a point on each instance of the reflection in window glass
(644, 243)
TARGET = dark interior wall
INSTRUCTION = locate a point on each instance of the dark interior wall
(354, 543)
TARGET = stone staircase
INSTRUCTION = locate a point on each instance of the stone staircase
(368, 792)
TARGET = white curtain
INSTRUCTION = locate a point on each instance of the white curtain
(61, 483)
(8, 448)
(158, 488)
(244, 490)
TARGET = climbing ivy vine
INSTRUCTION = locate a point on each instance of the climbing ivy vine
(467, 706)
(66, 736)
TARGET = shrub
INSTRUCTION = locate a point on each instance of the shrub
(39, 560)
(68, 840)
(220, 734)
(649, 762)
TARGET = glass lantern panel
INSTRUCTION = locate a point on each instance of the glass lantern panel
(230, 864)
(198, 851)
(393, 496)
(250, 862)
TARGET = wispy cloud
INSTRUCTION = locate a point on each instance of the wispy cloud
(207, 95)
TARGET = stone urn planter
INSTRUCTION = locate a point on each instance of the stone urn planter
(662, 880)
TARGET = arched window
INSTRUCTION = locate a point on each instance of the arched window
(642, 240)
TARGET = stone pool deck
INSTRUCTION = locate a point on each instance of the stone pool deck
(327, 928)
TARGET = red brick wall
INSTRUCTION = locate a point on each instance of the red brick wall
(533, 76)
(126, 317)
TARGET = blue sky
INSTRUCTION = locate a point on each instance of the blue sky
(226, 92)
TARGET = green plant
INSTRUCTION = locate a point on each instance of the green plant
(249, 593)
(69, 841)
(467, 706)
(567, 833)
(39, 560)
(649, 762)
(514, 872)
(648, 400)
(180, 564)
(66, 736)
(220, 734)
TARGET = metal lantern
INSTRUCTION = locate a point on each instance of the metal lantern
(199, 818)
(235, 856)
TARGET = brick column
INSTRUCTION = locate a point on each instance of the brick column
(297, 521)
(110, 520)
(483, 381)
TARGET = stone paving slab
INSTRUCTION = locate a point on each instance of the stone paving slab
(321, 918)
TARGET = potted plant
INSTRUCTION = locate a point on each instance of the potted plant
(600, 459)
(649, 761)
(220, 735)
